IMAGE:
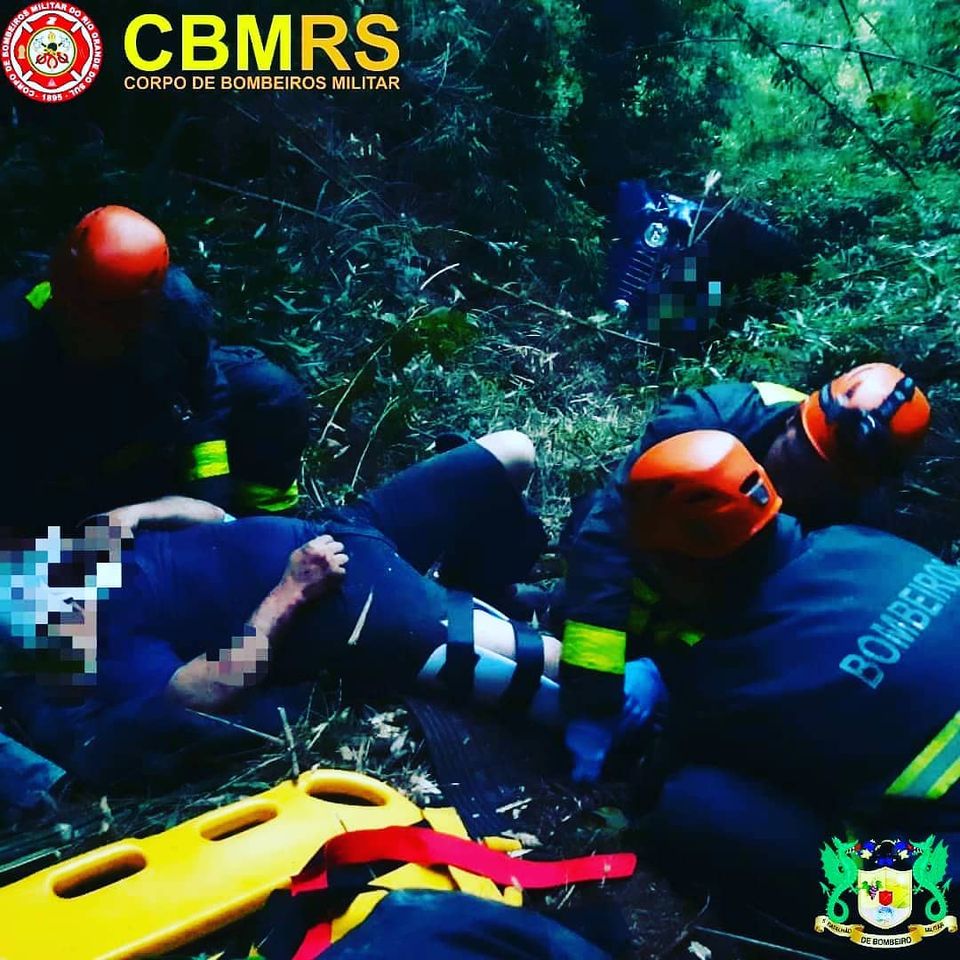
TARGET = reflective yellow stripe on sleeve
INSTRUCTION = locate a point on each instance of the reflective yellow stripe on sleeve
(771, 393)
(39, 295)
(209, 460)
(935, 769)
(594, 648)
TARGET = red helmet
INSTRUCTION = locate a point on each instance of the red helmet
(699, 494)
(869, 420)
(112, 254)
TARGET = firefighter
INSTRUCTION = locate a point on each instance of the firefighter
(825, 453)
(818, 695)
(118, 393)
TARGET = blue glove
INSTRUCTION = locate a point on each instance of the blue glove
(588, 742)
(643, 689)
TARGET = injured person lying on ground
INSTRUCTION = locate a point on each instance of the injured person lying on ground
(125, 644)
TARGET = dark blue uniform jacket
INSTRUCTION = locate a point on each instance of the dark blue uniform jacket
(78, 441)
(830, 670)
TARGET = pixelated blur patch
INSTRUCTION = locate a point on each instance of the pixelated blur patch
(50, 588)
(682, 300)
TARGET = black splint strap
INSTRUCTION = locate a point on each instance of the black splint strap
(526, 677)
(457, 672)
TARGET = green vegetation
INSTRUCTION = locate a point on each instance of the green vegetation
(432, 259)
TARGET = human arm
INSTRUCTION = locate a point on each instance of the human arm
(212, 683)
(172, 511)
(202, 391)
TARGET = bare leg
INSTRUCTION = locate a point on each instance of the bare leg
(492, 633)
(515, 451)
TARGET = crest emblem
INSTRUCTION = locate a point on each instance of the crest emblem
(885, 875)
(51, 55)
(885, 897)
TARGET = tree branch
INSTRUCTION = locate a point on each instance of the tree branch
(845, 48)
(794, 70)
(863, 62)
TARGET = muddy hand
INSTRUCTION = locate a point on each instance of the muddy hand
(316, 566)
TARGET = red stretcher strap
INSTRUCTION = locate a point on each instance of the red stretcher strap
(429, 848)
(318, 939)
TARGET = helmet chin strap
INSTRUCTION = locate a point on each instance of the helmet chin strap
(836, 412)
(866, 431)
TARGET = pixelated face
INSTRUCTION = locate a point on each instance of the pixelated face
(50, 589)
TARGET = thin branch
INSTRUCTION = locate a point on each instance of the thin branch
(878, 268)
(291, 744)
(253, 195)
(387, 410)
(750, 941)
(876, 32)
(356, 377)
(844, 48)
(853, 33)
(354, 637)
(239, 726)
(568, 316)
(430, 279)
(794, 70)
(715, 218)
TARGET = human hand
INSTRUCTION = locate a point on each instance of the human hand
(315, 567)
(588, 742)
(643, 689)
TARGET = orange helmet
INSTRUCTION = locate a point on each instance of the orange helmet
(700, 494)
(112, 254)
(869, 420)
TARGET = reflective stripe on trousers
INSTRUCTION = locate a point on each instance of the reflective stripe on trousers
(935, 769)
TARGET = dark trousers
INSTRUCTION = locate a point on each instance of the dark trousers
(754, 845)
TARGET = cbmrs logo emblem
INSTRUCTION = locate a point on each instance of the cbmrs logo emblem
(900, 886)
(51, 52)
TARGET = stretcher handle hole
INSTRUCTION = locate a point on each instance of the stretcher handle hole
(238, 821)
(88, 877)
(347, 795)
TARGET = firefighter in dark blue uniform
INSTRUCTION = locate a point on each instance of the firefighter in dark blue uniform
(819, 692)
(821, 460)
(120, 394)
